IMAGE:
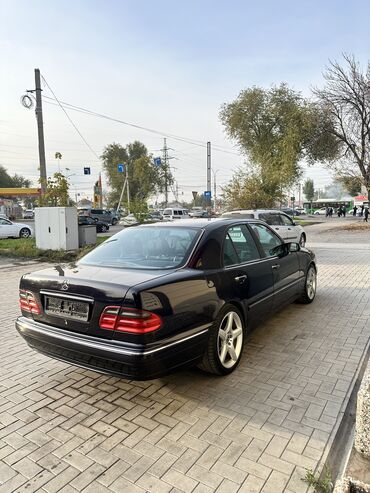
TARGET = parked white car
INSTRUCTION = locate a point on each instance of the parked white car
(28, 214)
(321, 211)
(8, 229)
(283, 224)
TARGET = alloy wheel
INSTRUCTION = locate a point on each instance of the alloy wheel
(24, 233)
(230, 339)
(311, 283)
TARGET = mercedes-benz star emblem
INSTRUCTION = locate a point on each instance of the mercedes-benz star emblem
(65, 286)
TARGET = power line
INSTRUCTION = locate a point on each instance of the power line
(70, 119)
(194, 142)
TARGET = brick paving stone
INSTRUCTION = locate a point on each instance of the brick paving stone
(66, 429)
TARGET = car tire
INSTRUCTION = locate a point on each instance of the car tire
(103, 229)
(114, 221)
(24, 233)
(225, 342)
(302, 240)
(309, 289)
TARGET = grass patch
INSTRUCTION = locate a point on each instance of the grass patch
(304, 222)
(26, 248)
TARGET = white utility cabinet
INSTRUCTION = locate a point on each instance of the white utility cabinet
(56, 228)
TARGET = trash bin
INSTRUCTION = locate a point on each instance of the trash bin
(86, 235)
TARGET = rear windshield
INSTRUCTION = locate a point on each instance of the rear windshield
(145, 248)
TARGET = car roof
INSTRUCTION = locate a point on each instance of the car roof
(201, 223)
(254, 211)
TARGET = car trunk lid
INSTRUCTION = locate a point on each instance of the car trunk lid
(73, 297)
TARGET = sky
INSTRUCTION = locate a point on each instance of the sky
(164, 65)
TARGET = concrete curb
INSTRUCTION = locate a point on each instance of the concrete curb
(338, 448)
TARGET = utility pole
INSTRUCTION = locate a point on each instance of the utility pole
(215, 188)
(167, 173)
(40, 129)
(128, 190)
(209, 187)
(165, 164)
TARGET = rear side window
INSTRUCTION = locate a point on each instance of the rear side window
(239, 246)
(271, 219)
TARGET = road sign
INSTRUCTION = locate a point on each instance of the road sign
(157, 161)
(207, 194)
(120, 168)
(195, 194)
(87, 170)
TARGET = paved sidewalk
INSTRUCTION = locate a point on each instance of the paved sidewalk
(65, 429)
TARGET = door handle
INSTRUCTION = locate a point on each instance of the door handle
(275, 266)
(241, 279)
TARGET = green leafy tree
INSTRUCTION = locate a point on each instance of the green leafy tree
(351, 183)
(145, 178)
(247, 190)
(309, 189)
(275, 129)
(56, 192)
(15, 181)
(345, 99)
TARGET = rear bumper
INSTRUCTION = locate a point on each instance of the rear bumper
(133, 361)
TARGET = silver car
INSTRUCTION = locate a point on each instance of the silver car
(283, 224)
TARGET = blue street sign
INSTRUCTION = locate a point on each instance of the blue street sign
(120, 168)
(87, 170)
(157, 161)
(207, 194)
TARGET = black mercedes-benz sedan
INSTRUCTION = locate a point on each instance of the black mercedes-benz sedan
(157, 297)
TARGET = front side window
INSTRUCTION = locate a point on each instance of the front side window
(239, 246)
(145, 248)
(268, 239)
(285, 220)
(4, 222)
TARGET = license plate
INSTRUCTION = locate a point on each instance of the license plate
(60, 307)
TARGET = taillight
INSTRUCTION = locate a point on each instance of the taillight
(129, 320)
(28, 302)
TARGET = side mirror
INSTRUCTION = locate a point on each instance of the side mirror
(294, 224)
(294, 247)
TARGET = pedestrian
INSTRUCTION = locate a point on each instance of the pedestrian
(366, 214)
(339, 211)
(330, 212)
(344, 211)
(327, 212)
(355, 210)
(362, 210)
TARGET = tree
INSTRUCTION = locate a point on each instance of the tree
(15, 181)
(276, 128)
(247, 190)
(144, 177)
(351, 183)
(346, 100)
(309, 189)
(56, 194)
